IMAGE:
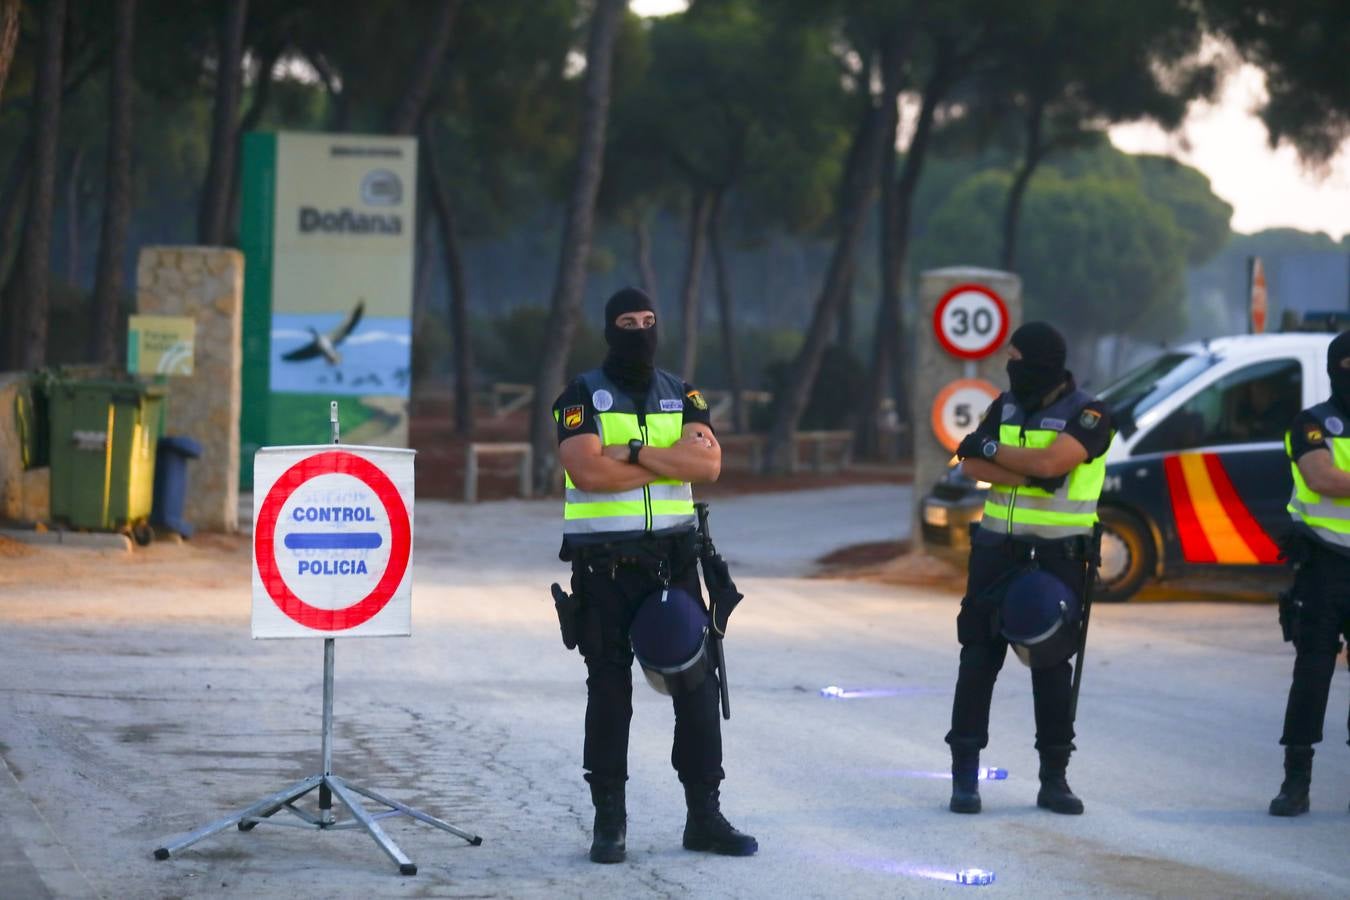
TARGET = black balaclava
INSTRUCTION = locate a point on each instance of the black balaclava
(1338, 367)
(632, 351)
(1041, 368)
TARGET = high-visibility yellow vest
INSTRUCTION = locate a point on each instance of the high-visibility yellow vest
(1030, 512)
(1327, 517)
(664, 506)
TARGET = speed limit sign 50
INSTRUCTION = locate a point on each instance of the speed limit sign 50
(957, 409)
(970, 321)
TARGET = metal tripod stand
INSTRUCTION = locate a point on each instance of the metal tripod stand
(328, 784)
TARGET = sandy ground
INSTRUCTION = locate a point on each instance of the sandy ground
(134, 705)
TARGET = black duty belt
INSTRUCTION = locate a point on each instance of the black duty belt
(662, 557)
(1024, 550)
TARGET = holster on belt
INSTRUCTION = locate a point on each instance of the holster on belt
(566, 606)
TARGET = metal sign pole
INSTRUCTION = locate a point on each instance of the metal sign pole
(328, 785)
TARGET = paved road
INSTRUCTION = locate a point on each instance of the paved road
(133, 705)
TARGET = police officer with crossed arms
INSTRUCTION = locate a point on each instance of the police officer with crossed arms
(632, 439)
(1315, 614)
(1041, 446)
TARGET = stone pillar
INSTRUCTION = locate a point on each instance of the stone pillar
(206, 283)
(937, 368)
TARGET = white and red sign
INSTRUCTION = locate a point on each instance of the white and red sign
(958, 408)
(971, 321)
(332, 541)
(1259, 306)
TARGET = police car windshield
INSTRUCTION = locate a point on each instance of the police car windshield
(1148, 385)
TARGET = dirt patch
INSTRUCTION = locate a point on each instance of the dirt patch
(11, 549)
(891, 562)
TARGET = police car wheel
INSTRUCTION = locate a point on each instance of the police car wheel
(1128, 555)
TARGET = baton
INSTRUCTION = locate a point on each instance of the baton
(706, 550)
(1089, 582)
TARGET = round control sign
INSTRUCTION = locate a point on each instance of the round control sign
(971, 321)
(332, 541)
(958, 408)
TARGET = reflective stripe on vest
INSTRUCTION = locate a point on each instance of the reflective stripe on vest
(660, 506)
(1328, 517)
(1031, 512)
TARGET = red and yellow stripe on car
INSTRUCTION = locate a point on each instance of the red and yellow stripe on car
(1213, 523)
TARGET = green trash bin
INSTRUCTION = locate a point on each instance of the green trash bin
(103, 436)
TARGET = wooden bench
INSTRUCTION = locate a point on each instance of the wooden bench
(476, 450)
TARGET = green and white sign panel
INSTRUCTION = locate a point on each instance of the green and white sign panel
(327, 227)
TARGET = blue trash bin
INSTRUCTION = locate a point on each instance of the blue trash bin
(171, 467)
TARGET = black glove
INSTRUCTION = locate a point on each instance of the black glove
(722, 594)
(971, 444)
(1049, 485)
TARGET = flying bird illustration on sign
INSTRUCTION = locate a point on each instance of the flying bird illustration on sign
(326, 345)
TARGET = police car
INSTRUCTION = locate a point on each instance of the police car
(1197, 475)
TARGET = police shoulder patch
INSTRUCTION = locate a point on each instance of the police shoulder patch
(1335, 425)
(1089, 419)
(697, 400)
(1312, 433)
(573, 416)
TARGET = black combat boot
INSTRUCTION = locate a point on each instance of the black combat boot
(1055, 794)
(1293, 797)
(705, 828)
(965, 781)
(611, 822)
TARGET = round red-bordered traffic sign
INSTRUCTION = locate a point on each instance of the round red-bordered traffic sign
(970, 321)
(965, 397)
(332, 462)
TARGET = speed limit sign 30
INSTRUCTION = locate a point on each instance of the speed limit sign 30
(957, 409)
(970, 321)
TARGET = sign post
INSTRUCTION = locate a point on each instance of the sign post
(332, 556)
(972, 312)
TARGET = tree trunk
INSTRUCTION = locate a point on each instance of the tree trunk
(9, 38)
(262, 96)
(74, 174)
(424, 248)
(214, 211)
(461, 348)
(897, 200)
(642, 239)
(409, 111)
(35, 256)
(1012, 207)
(576, 245)
(856, 198)
(844, 333)
(12, 202)
(727, 316)
(693, 272)
(112, 246)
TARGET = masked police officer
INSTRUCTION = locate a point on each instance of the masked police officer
(632, 439)
(1041, 448)
(1316, 612)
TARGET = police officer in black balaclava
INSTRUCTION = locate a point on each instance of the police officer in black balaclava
(1041, 447)
(1038, 368)
(1315, 612)
(633, 439)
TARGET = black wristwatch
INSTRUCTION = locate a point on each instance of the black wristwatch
(633, 447)
(989, 448)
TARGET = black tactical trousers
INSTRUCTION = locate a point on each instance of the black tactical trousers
(1322, 587)
(983, 651)
(608, 606)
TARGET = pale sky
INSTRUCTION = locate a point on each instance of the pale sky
(1268, 188)
(1225, 140)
